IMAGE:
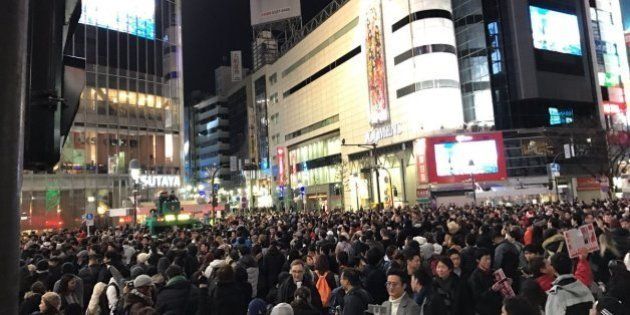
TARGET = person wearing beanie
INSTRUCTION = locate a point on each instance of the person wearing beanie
(50, 304)
(43, 275)
(141, 267)
(282, 309)
(257, 307)
(140, 296)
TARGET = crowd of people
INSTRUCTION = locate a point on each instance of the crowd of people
(448, 260)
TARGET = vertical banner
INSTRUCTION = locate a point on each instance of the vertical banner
(281, 167)
(423, 192)
(375, 55)
(236, 62)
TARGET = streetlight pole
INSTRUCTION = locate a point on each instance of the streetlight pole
(471, 163)
(213, 191)
(372, 147)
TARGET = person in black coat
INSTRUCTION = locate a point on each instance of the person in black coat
(225, 295)
(485, 292)
(421, 285)
(272, 264)
(374, 277)
(178, 296)
(451, 289)
(302, 302)
(32, 299)
(356, 299)
(287, 289)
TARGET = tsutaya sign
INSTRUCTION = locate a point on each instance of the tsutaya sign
(155, 181)
(383, 132)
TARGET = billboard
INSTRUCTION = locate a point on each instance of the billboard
(135, 17)
(555, 31)
(375, 55)
(266, 11)
(454, 159)
(236, 62)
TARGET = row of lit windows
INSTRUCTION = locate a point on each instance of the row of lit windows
(126, 97)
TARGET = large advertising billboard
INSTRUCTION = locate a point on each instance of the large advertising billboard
(135, 17)
(555, 31)
(375, 55)
(266, 11)
(455, 159)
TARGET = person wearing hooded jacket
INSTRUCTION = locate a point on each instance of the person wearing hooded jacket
(568, 296)
(178, 296)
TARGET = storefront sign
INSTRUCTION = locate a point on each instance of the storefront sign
(383, 132)
(158, 181)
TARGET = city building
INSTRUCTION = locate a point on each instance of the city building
(398, 102)
(130, 116)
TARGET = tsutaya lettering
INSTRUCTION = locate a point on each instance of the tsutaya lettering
(154, 181)
(383, 132)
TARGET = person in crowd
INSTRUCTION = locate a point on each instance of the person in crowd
(32, 299)
(422, 288)
(178, 296)
(70, 292)
(356, 299)
(450, 288)
(399, 302)
(282, 309)
(485, 290)
(286, 291)
(532, 292)
(140, 297)
(518, 306)
(506, 255)
(374, 276)
(324, 279)
(568, 295)
(302, 302)
(50, 304)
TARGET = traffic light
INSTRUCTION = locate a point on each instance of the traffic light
(55, 81)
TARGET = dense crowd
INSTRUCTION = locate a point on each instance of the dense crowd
(447, 260)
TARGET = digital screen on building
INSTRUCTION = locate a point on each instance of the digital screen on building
(560, 116)
(555, 31)
(465, 158)
(136, 17)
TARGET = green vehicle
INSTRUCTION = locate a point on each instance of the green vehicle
(168, 215)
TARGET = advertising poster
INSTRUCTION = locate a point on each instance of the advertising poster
(281, 167)
(581, 239)
(236, 62)
(555, 31)
(375, 55)
(266, 11)
(133, 17)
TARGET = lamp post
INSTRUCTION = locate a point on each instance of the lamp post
(213, 191)
(134, 172)
(372, 147)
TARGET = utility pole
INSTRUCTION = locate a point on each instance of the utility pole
(12, 96)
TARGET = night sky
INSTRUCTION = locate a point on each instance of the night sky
(211, 29)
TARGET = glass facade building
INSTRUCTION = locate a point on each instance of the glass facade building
(130, 109)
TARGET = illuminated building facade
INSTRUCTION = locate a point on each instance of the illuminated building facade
(131, 109)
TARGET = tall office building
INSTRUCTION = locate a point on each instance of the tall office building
(130, 110)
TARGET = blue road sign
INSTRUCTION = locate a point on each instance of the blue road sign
(89, 216)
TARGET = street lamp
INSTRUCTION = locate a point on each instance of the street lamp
(372, 147)
(134, 171)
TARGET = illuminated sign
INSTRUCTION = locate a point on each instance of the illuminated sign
(555, 31)
(134, 17)
(377, 134)
(157, 181)
(281, 172)
(376, 72)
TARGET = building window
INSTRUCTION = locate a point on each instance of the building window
(273, 79)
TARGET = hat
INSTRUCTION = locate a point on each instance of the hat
(330, 233)
(42, 266)
(257, 307)
(52, 299)
(421, 240)
(142, 281)
(142, 258)
(282, 309)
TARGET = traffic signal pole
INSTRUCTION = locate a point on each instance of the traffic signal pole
(14, 17)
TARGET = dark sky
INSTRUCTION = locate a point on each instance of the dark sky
(211, 29)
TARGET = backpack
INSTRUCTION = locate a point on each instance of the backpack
(103, 303)
(324, 289)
